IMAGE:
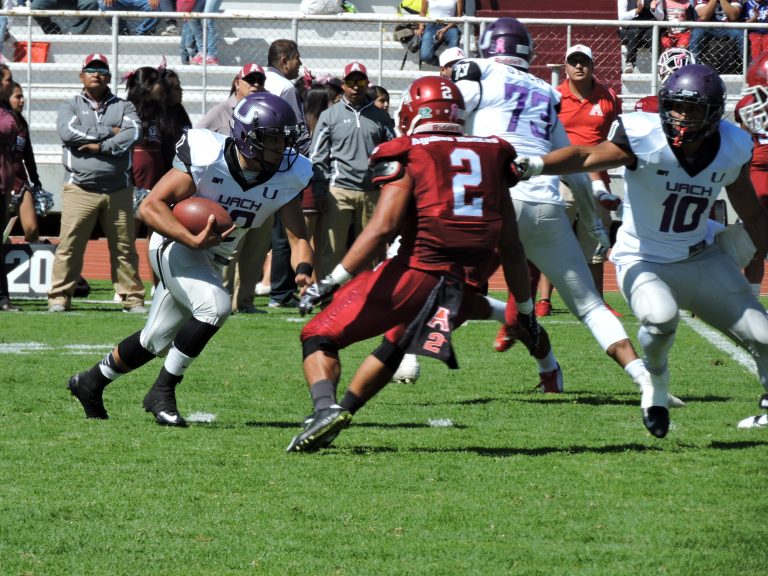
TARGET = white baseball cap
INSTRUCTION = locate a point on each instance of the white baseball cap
(579, 49)
(451, 55)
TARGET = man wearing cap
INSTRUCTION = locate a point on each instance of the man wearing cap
(587, 110)
(244, 269)
(284, 65)
(448, 58)
(344, 137)
(97, 130)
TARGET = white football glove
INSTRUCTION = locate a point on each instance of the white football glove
(598, 233)
(604, 197)
(529, 166)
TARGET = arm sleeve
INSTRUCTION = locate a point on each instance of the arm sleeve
(8, 128)
(625, 14)
(29, 162)
(130, 132)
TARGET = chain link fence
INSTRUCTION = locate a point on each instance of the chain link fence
(47, 65)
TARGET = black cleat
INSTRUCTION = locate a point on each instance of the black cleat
(321, 429)
(161, 401)
(656, 420)
(89, 394)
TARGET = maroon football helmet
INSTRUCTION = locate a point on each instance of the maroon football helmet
(431, 104)
(754, 111)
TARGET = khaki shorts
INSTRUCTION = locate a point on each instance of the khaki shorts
(587, 244)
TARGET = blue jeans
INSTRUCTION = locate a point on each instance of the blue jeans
(699, 38)
(428, 43)
(212, 46)
(145, 26)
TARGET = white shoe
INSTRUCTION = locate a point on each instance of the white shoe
(754, 422)
(408, 371)
(262, 290)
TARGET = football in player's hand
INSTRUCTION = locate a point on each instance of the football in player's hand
(193, 214)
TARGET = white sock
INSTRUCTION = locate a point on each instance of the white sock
(497, 309)
(176, 362)
(548, 363)
(525, 307)
(635, 369)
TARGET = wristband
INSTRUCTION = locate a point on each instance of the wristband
(598, 188)
(535, 166)
(304, 268)
(340, 275)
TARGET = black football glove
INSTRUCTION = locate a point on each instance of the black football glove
(316, 294)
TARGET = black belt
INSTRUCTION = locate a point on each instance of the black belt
(696, 248)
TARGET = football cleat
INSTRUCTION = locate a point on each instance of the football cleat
(551, 382)
(543, 308)
(89, 394)
(674, 401)
(408, 371)
(754, 422)
(656, 420)
(505, 338)
(161, 402)
(757, 421)
(320, 429)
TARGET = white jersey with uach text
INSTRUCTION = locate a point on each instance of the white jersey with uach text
(665, 207)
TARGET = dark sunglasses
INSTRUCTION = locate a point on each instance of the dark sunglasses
(101, 71)
(362, 83)
(254, 79)
(579, 61)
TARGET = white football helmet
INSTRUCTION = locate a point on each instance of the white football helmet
(672, 59)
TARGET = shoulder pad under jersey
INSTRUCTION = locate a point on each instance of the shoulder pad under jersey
(466, 70)
(388, 160)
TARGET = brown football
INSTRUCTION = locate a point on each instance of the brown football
(193, 213)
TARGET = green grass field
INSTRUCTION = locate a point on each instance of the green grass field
(521, 483)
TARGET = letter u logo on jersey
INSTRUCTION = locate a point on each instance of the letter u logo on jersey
(718, 177)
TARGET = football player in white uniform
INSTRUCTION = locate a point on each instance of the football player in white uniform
(253, 174)
(677, 161)
(503, 99)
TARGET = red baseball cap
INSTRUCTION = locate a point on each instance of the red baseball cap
(353, 67)
(97, 58)
(250, 69)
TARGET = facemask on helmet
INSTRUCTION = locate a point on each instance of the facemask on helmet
(698, 91)
(753, 108)
(431, 104)
(256, 118)
(507, 40)
(672, 59)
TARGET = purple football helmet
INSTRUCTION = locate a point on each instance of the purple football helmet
(263, 114)
(507, 40)
(700, 89)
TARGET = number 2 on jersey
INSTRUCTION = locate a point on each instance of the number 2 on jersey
(459, 158)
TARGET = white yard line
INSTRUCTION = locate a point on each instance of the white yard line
(720, 341)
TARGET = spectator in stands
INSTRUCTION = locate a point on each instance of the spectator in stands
(244, 270)
(176, 117)
(677, 11)
(587, 110)
(284, 62)
(212, 40)
(379, 96)
(171, 28)
(80, 26)
(318, 98)
(345, 135)
(28, 193)
(448, 58)
(146, 91)
(757, 11)
(436, 33)
(97, 130)
(717, 11)
(145, 26)
(634, 37)
(8, 133)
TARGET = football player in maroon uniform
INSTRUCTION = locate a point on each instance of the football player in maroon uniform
(752, 113)
(448, 196)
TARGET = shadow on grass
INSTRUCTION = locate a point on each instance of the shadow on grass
(383, 425)
(547, 450)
